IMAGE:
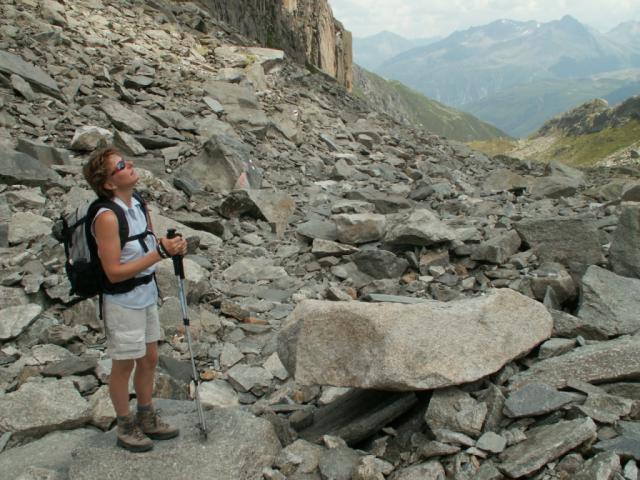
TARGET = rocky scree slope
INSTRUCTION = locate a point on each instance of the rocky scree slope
(485, 311)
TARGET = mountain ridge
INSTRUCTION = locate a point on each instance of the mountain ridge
(370, 52)
(412, 108)
(472, 68)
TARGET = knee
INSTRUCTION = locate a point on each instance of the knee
(122, 368)
(149, 361)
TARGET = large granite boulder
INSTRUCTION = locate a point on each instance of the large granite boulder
(392, 346)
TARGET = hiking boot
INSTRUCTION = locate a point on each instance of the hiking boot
(153, 426)
(130, 436)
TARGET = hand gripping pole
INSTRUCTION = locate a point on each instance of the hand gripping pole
(178, 268)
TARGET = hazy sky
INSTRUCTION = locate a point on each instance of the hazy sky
(428, 18)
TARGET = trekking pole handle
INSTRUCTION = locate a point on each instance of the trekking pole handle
(178, 266)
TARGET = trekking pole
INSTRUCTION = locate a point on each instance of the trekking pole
(178, 268)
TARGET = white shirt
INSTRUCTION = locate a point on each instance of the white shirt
(145, 295)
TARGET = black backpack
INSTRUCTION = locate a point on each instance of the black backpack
(83, 267)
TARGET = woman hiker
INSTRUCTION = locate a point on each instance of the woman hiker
(129, 302)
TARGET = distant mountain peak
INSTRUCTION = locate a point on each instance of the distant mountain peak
(569, 19)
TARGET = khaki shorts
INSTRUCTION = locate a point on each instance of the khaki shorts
(130, 329)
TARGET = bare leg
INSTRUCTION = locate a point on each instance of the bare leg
(143, 378)
(119, 385)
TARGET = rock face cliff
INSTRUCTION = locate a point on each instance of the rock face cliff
(304, 29)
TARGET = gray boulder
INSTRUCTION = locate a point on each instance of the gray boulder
(391, 346)
(218, 393)
(12, 64)
(609, 303)
(239, 102)
(627, 444)
(504, 179)
(88, 138)
(560, 169)
(224, 164)
(555, 276)
(15, 319)
(324, 248)
(555, 186)
(499, 248)
(574, 242)
(11, 297)
(455, 410)
(432, 470)
(45, 154)
(420, 227)
(126, 119)
(537, 399)
(380, 263)
(37, 408)
(23, 169)
(321, 229)
(624, 253)
(274, 207)
(602, 466)
(172, 119)
(359, 228)
(384, 202)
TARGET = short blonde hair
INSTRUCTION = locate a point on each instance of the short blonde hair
(96, 171)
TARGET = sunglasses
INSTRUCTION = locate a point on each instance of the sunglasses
(121, 165)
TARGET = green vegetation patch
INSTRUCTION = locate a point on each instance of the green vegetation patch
(586, 150)
(496, 146)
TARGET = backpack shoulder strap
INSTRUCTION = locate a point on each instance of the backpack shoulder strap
(123, 225)
(145, 210)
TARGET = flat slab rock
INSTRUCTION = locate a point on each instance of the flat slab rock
(239, 446)
(544, 444)
(606, 361)
(52, 451)
(392, 346)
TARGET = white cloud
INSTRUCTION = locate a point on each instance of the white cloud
(419, 18)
